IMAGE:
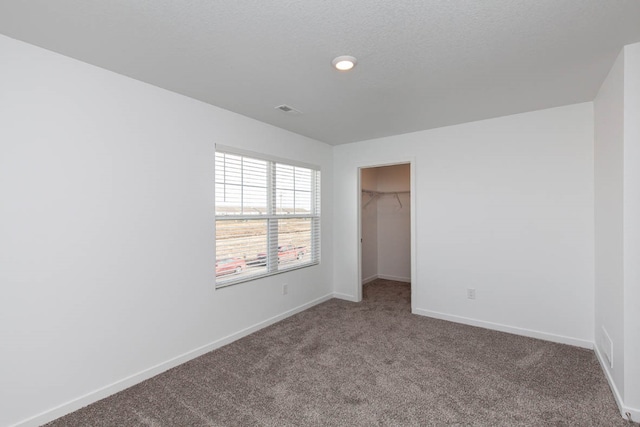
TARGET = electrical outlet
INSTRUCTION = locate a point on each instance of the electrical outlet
(471, 293)
(285, 289)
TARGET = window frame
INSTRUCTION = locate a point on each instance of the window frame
(271, 216)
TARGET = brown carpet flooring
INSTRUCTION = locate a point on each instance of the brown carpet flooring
(368, 364)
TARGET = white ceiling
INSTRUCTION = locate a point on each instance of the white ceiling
(422, 64)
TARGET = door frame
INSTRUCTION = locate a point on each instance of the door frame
(412, 197)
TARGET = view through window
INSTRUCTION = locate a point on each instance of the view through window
(267, 217)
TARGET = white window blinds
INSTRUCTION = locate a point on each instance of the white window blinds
(267, 217)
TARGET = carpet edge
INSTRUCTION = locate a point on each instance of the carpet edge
(345, 297)
(635, 413)
(561, 339)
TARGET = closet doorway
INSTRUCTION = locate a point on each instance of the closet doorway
(385, 223)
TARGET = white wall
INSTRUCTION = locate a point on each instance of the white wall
(632, 228)
(369, 225)
(617, 226)
(394, 223)
(504, 206)
(608, 162)
(107, 232)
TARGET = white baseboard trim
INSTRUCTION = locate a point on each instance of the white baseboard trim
(369, 279)
(624, 410)
(395, 278)
(345, 297)
(505, 328)
(108, 390)
(386, 277)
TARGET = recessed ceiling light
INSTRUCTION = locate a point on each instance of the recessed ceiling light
(344, 63)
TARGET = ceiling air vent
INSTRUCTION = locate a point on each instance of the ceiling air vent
(287, 109)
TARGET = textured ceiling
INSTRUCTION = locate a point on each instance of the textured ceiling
(422, 64)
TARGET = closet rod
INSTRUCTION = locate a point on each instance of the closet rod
(375, 194)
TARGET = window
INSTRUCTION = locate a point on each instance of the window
(267, 216)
